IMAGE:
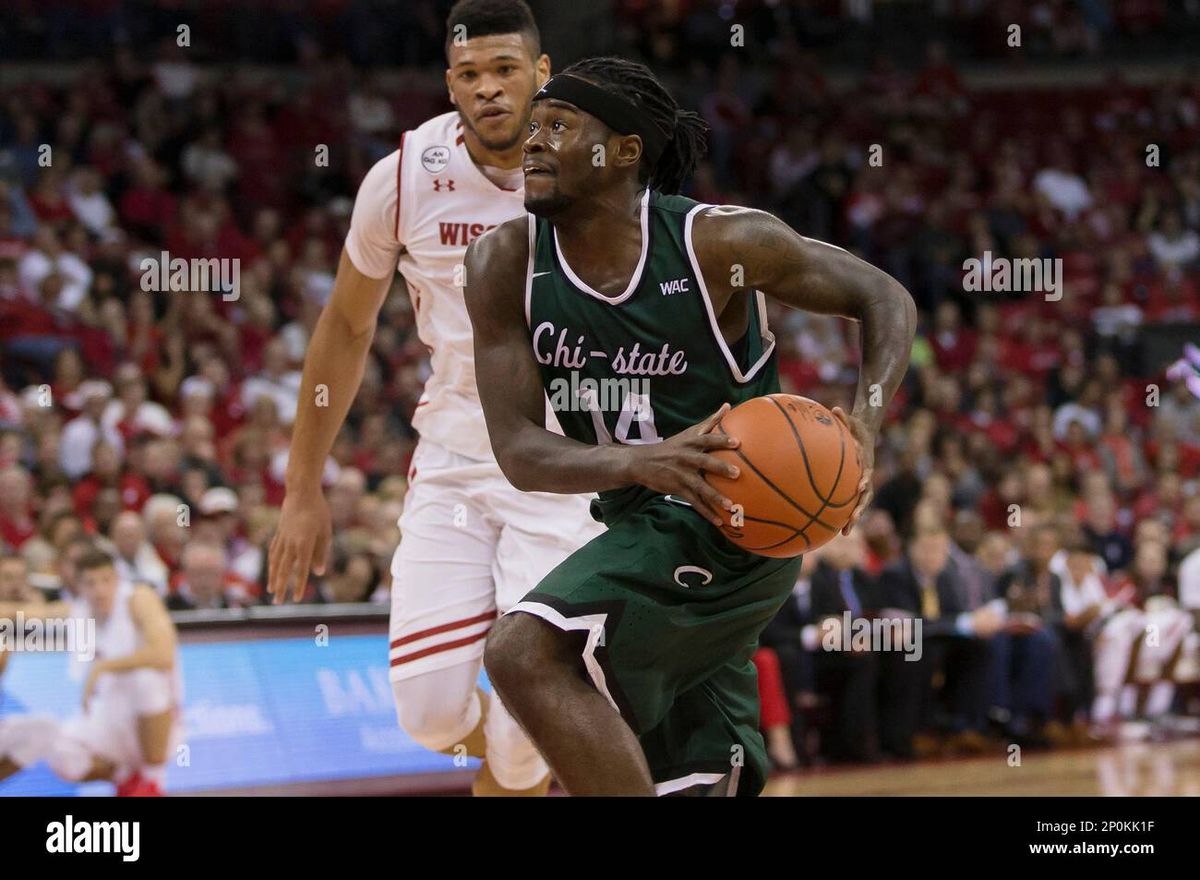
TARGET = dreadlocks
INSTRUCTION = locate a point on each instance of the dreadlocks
(684, 129)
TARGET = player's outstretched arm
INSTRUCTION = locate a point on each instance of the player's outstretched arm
(514, 402)
(333, 371)
(761, 252)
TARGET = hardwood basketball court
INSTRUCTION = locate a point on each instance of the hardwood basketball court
(1123, 770)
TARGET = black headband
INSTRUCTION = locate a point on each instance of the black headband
(616, 112)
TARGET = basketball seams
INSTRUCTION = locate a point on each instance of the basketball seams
(827, 502)
(796, 533)
(780, 538)
(811, 519)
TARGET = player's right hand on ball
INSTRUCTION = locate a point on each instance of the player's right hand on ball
(674, 466)
(301, 544)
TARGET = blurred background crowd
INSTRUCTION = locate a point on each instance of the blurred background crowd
(1045, 452)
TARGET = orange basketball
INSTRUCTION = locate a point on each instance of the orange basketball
(799, 472)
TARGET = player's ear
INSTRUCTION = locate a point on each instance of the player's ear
(628, 151)
(542, 70)
(449, 90)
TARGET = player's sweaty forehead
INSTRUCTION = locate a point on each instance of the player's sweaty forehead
(547, 106)
(491, 51)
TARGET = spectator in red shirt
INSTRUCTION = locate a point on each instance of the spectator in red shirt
(953, 345)
(17, 524)
(48, 200)
(938, 78)
(38, 331)
(106, 473)
(147, 208)
(1174, 300)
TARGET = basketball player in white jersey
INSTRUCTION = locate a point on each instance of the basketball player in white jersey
(131, 696)
(472, 545)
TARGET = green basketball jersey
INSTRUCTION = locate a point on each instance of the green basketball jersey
(650, 362)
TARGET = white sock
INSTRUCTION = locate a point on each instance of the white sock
(1127, 704)
(156, 773)
(1159, 701)
(1103, 708)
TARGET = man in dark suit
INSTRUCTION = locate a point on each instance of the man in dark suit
(793, 638)
(1028, 662)
(850, 678)
(954, 644)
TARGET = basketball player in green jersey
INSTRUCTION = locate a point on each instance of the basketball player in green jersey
(640, 315)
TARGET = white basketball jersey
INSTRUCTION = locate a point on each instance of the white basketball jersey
(424, 204)
(118, 636)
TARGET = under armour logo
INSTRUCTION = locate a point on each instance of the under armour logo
(438, 184)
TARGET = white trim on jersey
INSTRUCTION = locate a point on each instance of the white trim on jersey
(673, 785)
(529, 272)
(764, 331)
(592, 623)
(634, 280)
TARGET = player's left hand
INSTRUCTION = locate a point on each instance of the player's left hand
(866, 451)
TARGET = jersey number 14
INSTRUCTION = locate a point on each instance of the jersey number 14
(635, 411)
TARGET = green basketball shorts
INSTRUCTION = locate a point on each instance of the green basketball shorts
(670, 613)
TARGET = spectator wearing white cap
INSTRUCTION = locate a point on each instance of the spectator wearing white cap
(82, 432)
(196, 395)
(219, 522)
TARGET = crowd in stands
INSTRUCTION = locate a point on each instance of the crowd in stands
(1038, 453)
